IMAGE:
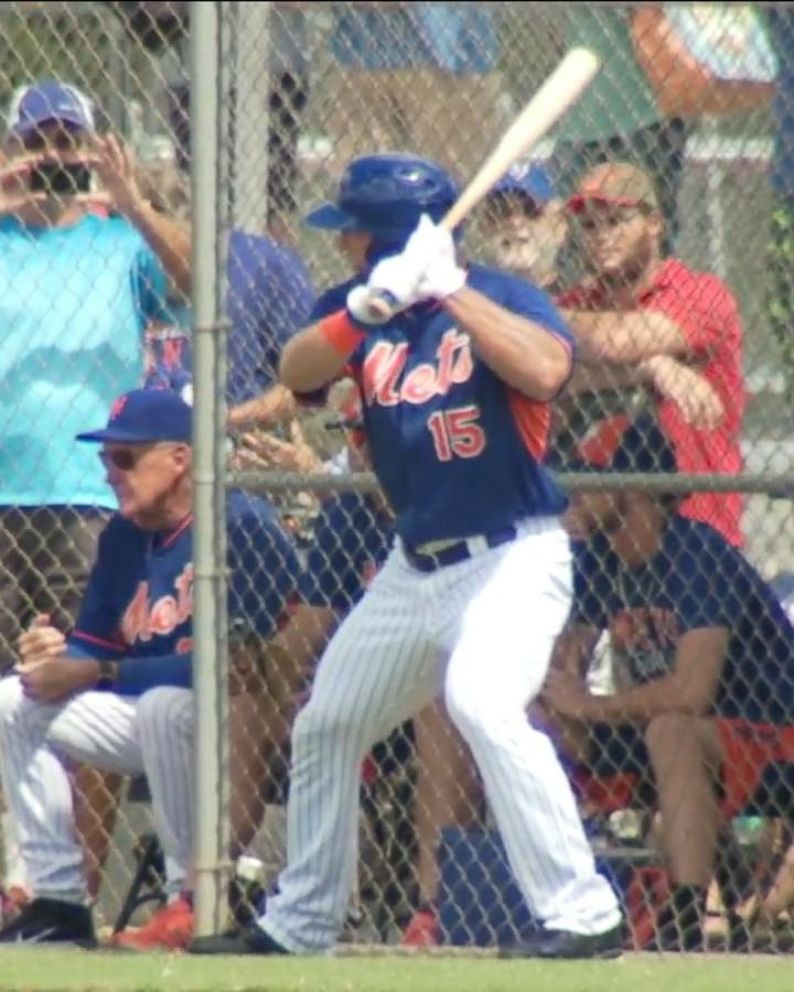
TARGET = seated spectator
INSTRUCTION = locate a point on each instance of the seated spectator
(115, 692)
(638, 311)
(704, 670)
(524, 225)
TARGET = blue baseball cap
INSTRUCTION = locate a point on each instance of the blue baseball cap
(143, 416)
(529, 179)
(46, 101)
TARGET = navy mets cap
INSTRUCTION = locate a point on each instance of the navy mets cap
(144, 416)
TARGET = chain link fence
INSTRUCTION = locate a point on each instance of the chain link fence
(230, 143)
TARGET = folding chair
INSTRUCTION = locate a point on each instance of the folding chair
(148, 882)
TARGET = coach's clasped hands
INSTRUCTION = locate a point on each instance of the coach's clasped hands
(45, 672)
(425, 269)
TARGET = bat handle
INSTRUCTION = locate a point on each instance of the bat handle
(382, 306)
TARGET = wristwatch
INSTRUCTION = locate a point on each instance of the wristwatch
(108, 674)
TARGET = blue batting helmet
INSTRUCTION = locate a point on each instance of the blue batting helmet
(385, 195)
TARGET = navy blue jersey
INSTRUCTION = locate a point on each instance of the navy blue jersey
(695, 580)
(270, 297)
(457, 451)
(351, 541)
(138, 606)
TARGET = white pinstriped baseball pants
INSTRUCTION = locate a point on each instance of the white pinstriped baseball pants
(111, 732)
(495, 616)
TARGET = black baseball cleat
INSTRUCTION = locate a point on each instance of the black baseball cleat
(564, 944)
(251, 940)
(50, 921)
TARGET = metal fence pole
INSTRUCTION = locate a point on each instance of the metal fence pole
(209, 500)
(251, 109)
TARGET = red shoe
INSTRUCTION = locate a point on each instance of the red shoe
(423, 930)
(170, 929)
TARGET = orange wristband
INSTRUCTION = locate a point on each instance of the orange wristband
(341, 333)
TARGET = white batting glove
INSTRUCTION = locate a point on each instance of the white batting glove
(442, 276)
(426, 268)
(396, 278)
(426, 241)
(359, 307)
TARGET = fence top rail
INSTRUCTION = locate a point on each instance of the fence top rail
(780, 485)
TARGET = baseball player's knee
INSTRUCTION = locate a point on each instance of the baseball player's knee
(324, 721)
(12, 699)
(476, 715)
(164, 709)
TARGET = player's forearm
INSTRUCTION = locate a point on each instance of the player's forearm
(624, 337)
(523, 354)
(313, 358)
(643, 702)
(274, 406)
(598, 376)
(601, 377)
(169, 239)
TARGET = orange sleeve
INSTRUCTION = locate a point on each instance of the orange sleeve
(533, 422)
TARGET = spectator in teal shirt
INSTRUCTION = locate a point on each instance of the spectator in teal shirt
(78, 288)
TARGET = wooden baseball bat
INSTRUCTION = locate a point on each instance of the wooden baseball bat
(556, 94)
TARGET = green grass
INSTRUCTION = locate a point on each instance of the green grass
(42, 969)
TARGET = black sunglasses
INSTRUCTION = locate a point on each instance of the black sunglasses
(125, 459)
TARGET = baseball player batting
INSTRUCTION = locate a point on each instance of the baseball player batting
(455, 389)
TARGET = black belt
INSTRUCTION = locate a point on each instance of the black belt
(457, 552)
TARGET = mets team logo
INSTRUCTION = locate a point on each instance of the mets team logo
(456, 432)
(385, 364)
(144, 619)
(118, 407)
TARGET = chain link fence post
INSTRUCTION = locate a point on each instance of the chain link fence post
(210, 624)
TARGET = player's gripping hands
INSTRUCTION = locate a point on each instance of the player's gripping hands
(426, 268)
